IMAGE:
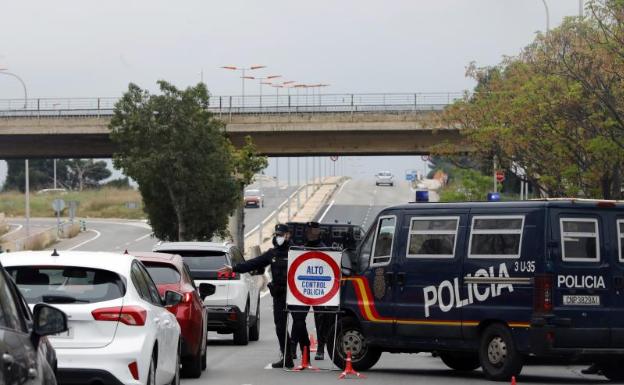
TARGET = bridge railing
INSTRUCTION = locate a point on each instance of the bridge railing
(249, 104)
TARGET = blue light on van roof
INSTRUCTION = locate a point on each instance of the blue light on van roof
(422, 196)
(493, 197)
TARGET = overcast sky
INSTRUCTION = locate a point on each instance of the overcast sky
(69, 48)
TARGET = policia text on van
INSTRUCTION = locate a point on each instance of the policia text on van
(489, 285)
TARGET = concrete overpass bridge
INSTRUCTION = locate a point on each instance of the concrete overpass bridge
(288, 125)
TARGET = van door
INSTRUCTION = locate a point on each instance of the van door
(427, 290)
(617, 268)
(582, 279)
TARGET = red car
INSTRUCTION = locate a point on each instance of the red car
(170, 273)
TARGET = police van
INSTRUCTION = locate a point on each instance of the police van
(490, 285)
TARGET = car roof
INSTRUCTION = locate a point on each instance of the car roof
(534, 203)
(173, 259)
(208, 246)
(90, 259)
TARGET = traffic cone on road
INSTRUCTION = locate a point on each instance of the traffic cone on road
(313, 344)
(513, 380)
(305, 362)
(349, 369)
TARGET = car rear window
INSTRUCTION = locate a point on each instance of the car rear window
(201, 263)
(67, 284)
(162, 273)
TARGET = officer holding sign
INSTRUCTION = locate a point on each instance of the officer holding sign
(277, 257)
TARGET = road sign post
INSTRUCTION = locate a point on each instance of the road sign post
(58, 205)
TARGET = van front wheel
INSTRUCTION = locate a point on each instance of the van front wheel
(461, 361)
(498, 355)
(349, 337)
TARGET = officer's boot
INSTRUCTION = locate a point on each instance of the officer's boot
(320, 352)
(288, 363)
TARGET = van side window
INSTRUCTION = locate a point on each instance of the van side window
(432, 237)
(580, 241)
(384, 237)
(496, 236)
(620, 230)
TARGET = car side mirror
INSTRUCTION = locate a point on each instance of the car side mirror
(172, 298)
(206, 290)
(48, 320)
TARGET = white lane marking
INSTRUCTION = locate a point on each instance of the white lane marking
(18, 228)
(143, 237)
(97, 235)
(326, 211)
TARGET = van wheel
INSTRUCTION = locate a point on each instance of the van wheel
(613, 370)
(349, 337)
(241, 334)
(460, 361)
(498, 355)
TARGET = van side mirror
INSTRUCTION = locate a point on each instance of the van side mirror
(48, 320)
(172, 298)
(346, 262)
(206, 290)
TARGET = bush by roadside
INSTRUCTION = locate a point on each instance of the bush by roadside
(102, 203)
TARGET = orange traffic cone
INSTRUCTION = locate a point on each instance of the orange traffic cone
(313, 344)
(305, 362)
(349, 369)
(513, 380)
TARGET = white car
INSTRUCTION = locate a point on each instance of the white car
(235, 305)
(384, 177)
(120, 330)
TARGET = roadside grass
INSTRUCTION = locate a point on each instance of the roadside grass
(102, 203)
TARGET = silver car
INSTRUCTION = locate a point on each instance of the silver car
(385, 178)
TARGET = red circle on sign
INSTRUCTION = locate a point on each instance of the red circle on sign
(500, 176)
(334, 157)
(293, 269)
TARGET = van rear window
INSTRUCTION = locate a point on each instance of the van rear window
(580, 241)
(496, 237)
(432, 237)
(620, 227)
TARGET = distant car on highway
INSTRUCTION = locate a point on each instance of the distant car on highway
(27, 357)
(385, 178)
(169, 272)
(120, 329)
(234, 306)
(254, 197)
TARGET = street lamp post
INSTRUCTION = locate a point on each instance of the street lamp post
(277, 87)
(243, 78)
(4, 71)
(547, 15)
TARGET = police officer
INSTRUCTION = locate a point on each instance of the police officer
(322, 321)
(277, 257)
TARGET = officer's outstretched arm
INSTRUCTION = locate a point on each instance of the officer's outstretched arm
(259, 262)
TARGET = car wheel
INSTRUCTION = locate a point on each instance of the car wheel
(151, 373)
(204, 363)
(241, 334)
(176, 376)
(460, 361)
(192, 368)
(350, 337)
(498, 355)
(254, 330)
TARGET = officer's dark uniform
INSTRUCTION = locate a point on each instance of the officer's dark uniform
(277, 257)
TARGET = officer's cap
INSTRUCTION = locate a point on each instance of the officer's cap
(281, 228)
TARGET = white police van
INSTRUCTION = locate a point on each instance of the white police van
(490, 285)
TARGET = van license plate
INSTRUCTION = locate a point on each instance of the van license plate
(581, 300)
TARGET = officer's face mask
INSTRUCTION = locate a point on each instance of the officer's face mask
(280, 239)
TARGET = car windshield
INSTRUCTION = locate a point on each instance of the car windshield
(251, 193)
(67, 284)
(202, 261)
(162, 273)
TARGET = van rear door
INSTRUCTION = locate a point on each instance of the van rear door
(617, 269)
(582, 279)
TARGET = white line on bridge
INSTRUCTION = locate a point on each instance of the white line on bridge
(326, 211)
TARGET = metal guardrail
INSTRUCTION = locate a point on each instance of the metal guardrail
(252, 104)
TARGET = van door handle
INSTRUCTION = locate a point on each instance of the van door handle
(401, 279)
(618, 282)
(389, 278)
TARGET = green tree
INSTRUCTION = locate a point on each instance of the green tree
(187, 170)
(83, 173)
(41, 174)
(467, 185)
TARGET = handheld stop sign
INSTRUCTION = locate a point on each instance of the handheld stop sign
(313, 278)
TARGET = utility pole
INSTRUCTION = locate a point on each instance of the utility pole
(581, 8)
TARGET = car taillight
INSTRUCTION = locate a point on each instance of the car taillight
(134, 370)
(129, 315)
(225, 275)
(543, 294)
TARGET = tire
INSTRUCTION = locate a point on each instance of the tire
(254, 330)
(204, 363)
(151, 373)
(613, 370)
(241, 334)
(463, 362)
(498, 355)
(176, 376)
(350, 336)
(192, 368)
